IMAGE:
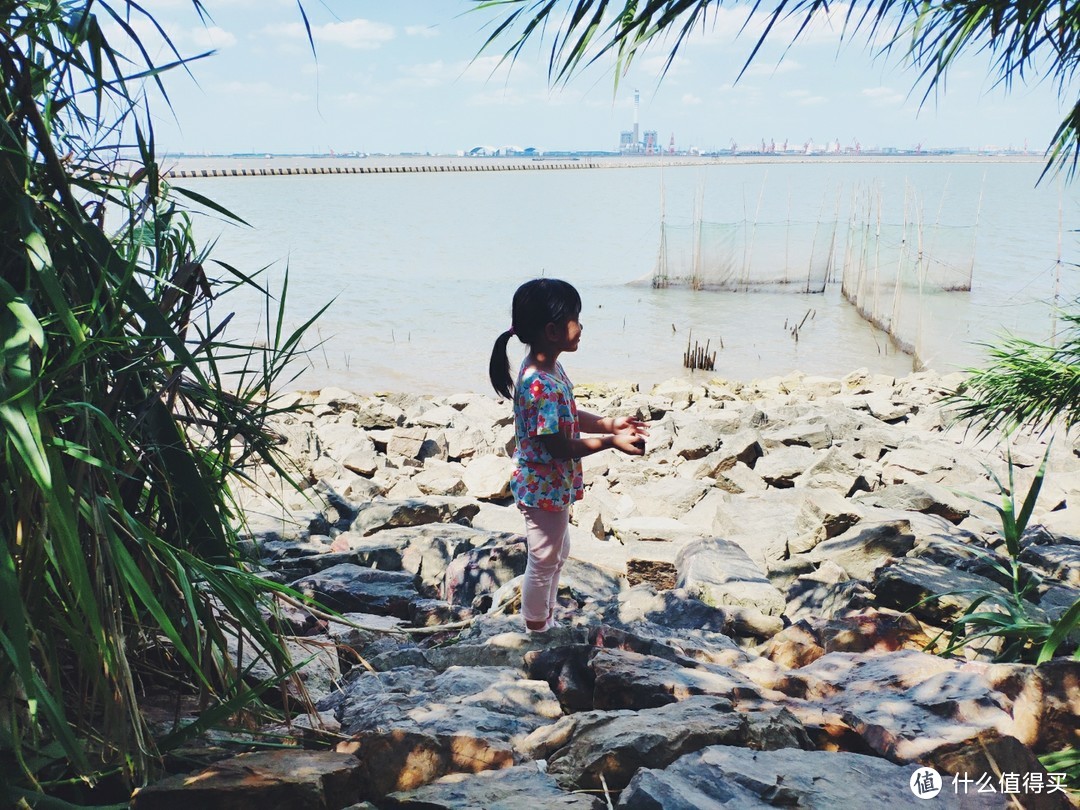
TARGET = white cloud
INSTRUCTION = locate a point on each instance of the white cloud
(724, 24)
(654, 65)
(767, 70)
(804, 97)
(882, 96)
(488, 68)
(356, 99)
(690, 99)
(262, 91)
(211, 37)
(507, 97)
(429, 74)
(358, 34)
(483, 69)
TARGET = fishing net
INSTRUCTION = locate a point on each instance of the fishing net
(739, 256)
(886, 269)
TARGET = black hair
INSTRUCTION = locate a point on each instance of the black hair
(536, 304)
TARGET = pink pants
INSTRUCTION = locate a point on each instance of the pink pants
(548, 535)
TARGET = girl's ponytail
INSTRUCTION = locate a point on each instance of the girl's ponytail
(536, 304)
(499, 367)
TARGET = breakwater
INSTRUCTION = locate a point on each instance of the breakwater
(197, 167)
(383, 169)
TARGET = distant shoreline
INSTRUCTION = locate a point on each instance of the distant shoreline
(188, 166)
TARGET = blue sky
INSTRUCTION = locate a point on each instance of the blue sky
(401, 76)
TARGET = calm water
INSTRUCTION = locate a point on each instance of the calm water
(421, 267)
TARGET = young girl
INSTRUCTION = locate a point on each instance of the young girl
(548, 427)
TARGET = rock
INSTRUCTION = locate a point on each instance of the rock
(740, 479)
(924, 496)
(488, 477)
(907, 586)
(742, 447)
(492, 790)
(823, 515)
(815, 433)
(992, 755)
(1046, 702)
(265, 780)
(661, 575)
(676, 618)
(885, 409)
(411, 726)
(763, 524)
(1060, 561)
(390, 514)
(668, 497)
(826, 592)
(581, 747)
(347, 587)
(949, 708)
(440, 478)
(720, 573)
(729, 777)
(865, 547)
(840, 674)
(362, 630)
(336, 397)
(406, 442)
(866, 631)
(479, 572)
(781, 466)
(626, 680)
(839, 471)
(494, 518)
(695, 439)
(566, 670)
(587, 581)
(434, 612)
(653, 530)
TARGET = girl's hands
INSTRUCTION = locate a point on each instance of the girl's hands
(629, 443)
(628, 435)
(627, 424)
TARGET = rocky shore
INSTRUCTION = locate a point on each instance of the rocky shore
(744, 620)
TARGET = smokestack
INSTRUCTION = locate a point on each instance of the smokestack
(637, 107)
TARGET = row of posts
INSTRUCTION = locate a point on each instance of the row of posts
(443, 167)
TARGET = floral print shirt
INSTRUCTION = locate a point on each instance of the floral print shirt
(543, 405)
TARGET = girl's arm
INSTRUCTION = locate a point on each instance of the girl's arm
(563, 447)
(591, 423)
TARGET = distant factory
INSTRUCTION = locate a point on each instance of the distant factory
(634, 141)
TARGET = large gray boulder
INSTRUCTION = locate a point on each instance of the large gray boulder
(481, 571)
(933, 592)
(627, 680)
(506, 789)
(488, 477)
(865, 547)
(410, 726)
(723, 776)
(581, 747)
(348, 587)
(669, 497)
(923, 496)
(720, 573)
(264, 780)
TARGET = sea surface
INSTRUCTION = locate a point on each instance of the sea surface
(419, 268)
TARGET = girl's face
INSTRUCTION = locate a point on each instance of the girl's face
(567, 335)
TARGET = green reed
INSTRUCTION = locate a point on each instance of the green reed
(124, 411)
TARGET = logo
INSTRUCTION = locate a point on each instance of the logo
(925, 783)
